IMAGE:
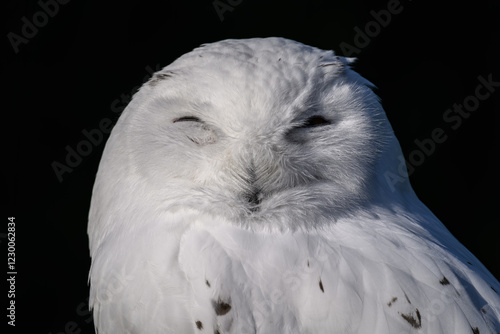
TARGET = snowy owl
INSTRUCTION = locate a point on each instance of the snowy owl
(255, 186)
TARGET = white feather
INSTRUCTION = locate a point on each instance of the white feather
(218, 209)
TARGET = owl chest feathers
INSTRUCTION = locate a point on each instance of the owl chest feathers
(209, 277)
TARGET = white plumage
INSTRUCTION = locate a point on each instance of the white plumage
(245, 189)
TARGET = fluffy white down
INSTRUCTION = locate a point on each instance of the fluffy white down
(249, 187)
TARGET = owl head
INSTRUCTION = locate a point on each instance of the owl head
(260, 132)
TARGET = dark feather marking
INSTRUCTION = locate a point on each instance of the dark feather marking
(393, 300)
(216, 331)
(415, 323)
(199, 325)
(157, 77)
(483, 310)
(207, 283)
(407, 299)
(321, 286)
(220, 307)
(308, 263)
(193, 140)
(444, 281)
(475, 330)
(492, 288)
(165, 75)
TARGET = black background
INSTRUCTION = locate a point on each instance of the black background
(65, 78)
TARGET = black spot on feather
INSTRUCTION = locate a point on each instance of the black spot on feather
(207, 283)
(199, 325)
(492, 288)
(415, 323)
(393, 300)
(220, 307)
(321, 286)
(157, 77)
(444, 281)
(475, 330)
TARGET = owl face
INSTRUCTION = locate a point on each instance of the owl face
(255, 127)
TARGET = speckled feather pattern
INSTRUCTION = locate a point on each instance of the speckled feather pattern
(245, 189)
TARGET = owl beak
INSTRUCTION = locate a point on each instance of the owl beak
(253, 195)
(254, 198)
